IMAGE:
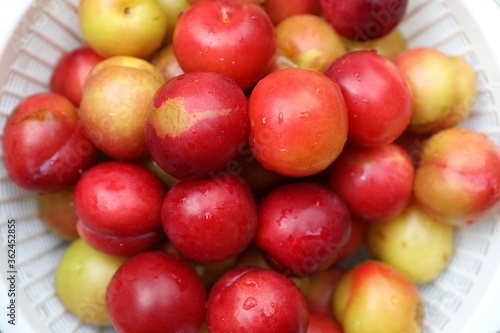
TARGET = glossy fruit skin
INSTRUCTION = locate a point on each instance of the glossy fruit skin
(158, 293)
(166, 62)
(390, 46)
(319, 323)
(44, 144)
(196, 124)
(119, 207)
(114, 121)
(377, 97)
(412, 242)
(233, 38)
(458, 176)
(302, 228)
(309, 41)
(210, 220)
(363, 20)
(319, 292)
(433, 80)
(298, 122)
(375, 182)
(278, 10)
(375, 297)
(122, 27)
(251, 299)
(356, 239)
(70, 72)
(57, 211)
(82, 265)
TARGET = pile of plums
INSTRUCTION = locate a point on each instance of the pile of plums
(217, 165)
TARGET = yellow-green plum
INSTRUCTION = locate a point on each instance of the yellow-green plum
(122, 27)
(390, 46)
(172, 9)
(82, 265)
(114, 120)
(413, 242)
(465, 93)
(377, 298)
(458, 176)
(126, 61)
(432, 78)
(309, 41)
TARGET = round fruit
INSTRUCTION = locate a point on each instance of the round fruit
(233, 38)
(302, 228)
(196, 124)
(298, 122)
(82, 265)
(157, 293)
(363, 20)
(210, 220)
(119, 207)
(251, 299)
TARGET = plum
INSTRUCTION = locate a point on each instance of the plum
(210, 220)
(412, 242)
(232, 38)
(377, 298)
(278, 10)
(196, 123)
(298, 122)
(320, 290)
(114, 121)
(82, 265)
(158, 293)
(308, 41)
(443, 88)
(127, 61)
(458, 177)
(356, 239)
(71, 71)
(118, 205)
(45, 147)
(377, 96)
(390, 46)
(363, 20)
(166, 62)
(251, 299)
(302, 228)
(133, 28)
(319, 323)
(376, 183)
(57, 211)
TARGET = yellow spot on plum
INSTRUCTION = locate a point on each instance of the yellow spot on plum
(172, 119)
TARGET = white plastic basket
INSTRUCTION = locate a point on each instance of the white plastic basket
(463, 299)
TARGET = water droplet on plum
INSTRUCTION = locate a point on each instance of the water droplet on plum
(249, 303)
(305, 116)
(251, 283)
(281, 118)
